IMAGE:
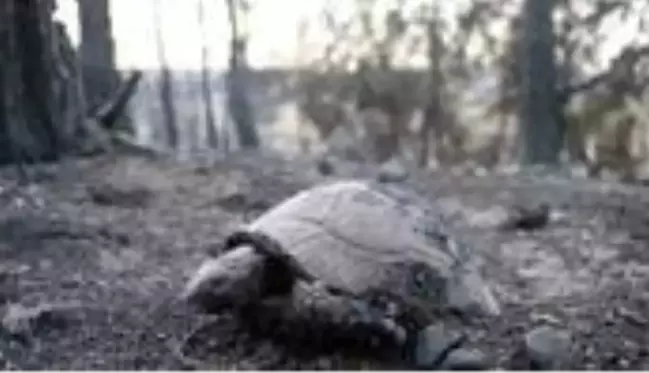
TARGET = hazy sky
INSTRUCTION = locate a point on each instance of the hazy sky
(274, 29)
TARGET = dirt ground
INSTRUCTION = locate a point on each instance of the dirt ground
(107, 244)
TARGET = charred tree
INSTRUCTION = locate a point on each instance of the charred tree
(239, 105)
(166, 89)
(11, 113)
(30, 123)
(97, 52)
(542, 127)
(206, 79)
(43, 113)
(70, 103)
(433, 123)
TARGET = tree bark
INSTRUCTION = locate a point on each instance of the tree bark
(206, 78)
(542, 127)
(11, 114)
(166, 89)
(97, 52)
(239, 104)
(432, 123)
(30, 121)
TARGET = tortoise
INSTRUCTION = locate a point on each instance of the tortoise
(367, 259)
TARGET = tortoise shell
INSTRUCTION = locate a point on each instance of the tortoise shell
(366, 237)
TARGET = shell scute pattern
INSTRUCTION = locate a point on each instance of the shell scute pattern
(354, 236)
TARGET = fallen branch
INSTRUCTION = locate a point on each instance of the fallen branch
(117, 141)
(101, 125)
(102, 139)
(567, 93)
(628, 56)
(128, 144)
(108, 113)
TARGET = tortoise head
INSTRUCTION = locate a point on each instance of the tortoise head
(231, 280)
(469, 293)
(460, 289)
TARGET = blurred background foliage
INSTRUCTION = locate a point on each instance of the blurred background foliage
(481, 84)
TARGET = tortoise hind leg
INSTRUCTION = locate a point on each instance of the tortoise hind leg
(315, 317)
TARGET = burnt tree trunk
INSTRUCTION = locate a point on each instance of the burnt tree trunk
(206, 79)
(97, 52)
(30, 123)
(166, 89)
(542, 126)
(70, 103)
(239, 105)
(433, 123)
(11, 113)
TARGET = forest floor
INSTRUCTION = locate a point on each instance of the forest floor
(96, 251)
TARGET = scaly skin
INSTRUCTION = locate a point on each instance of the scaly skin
(268, 287)
(255, 278)
(230, 281)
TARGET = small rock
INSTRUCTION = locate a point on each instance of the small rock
(632, 317)
(22, 320)
(545, 319)
(434, 344)
(548, 348)
(203, 170)
(392, 171)
(465, 359)
(528, 218)
(325, 166)
(240, 201)
(111, 195)
(9, 284)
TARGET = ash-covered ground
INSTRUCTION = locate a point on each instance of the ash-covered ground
(95, 252)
